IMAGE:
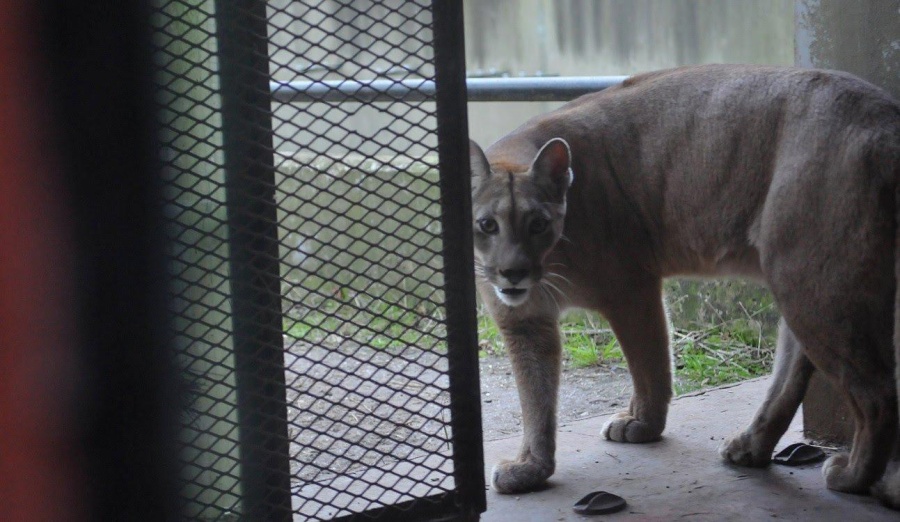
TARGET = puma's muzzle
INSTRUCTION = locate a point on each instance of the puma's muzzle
(512, 296)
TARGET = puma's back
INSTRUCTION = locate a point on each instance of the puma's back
(685, 158)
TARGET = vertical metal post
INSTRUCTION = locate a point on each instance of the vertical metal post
(253, 233)
(456, 206)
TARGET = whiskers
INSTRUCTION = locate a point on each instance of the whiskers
(479, 270)
(560, 277)
(550, 295)
(548, 285)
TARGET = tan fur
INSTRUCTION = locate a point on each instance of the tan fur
(783, 175)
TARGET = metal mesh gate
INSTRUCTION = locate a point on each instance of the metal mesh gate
(323, 304)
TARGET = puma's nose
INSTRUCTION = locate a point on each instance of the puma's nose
(514, 275)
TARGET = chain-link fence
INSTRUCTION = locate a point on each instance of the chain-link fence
(323, 302)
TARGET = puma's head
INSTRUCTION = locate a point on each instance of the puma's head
(517, 214)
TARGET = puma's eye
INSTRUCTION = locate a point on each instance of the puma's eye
(538, 226)
(488, 226)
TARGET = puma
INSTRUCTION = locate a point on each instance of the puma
(787, 176)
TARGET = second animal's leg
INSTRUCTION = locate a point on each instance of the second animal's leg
(754, 445)
(535, 350)
(873, 440)
(639, 322)
(887, 490)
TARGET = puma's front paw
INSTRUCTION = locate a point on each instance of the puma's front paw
(623, 427)
(840, 477)
(740, 450)
(520, 476)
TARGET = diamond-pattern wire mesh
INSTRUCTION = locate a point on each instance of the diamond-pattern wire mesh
(357, 202)
(193, 176)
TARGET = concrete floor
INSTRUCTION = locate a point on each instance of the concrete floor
(680, 477)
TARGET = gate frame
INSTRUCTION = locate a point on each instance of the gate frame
(254, 266)
(456, 217)
(249, 165)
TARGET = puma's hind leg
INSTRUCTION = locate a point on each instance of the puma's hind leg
(754, 445)
(639, 322)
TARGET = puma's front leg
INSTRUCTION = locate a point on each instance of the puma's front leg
(639, 321)
(535, 352)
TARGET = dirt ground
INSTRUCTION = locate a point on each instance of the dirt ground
(352, 405)
(583, 393)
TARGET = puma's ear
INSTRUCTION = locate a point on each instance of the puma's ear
(552, 167)
(478, 162)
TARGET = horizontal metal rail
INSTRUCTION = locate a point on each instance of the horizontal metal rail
(559, 88)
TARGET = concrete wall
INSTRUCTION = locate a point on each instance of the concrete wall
(861, 37)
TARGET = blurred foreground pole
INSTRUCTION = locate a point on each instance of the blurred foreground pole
(88, 409)
(38, 475)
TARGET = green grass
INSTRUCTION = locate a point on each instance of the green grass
(372, 322)
(723, 336)
(721, 354)
(490, 342)
(721, 333)
(588, 341)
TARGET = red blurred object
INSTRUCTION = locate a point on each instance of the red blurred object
(37, 460)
